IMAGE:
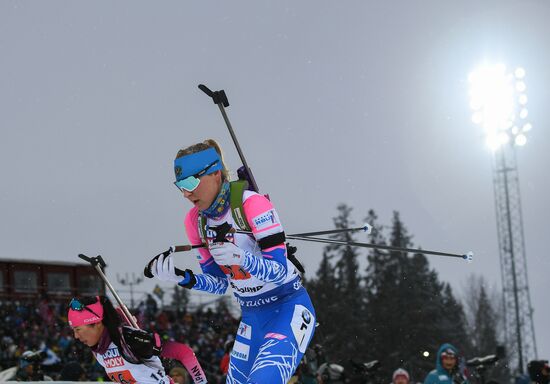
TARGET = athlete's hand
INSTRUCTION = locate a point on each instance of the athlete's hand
(164, 270)
(226, 253)
(142, 343)
(148, 270)
(189, 279)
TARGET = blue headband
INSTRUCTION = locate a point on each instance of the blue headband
(193, 163)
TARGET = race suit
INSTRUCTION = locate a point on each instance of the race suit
(278, 318)
(122, 371)
(185, 355)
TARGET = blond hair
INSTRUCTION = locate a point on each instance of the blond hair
(208, 143)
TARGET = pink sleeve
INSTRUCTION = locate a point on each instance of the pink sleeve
(262, 217)
(185, 355)
(192, 230)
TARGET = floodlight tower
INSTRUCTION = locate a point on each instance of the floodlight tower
(498, 101)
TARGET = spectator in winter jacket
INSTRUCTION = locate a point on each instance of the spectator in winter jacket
(539, 371)
(224, 363)
(331, 374)
(400, 376)
(447, 369)
(179, 375)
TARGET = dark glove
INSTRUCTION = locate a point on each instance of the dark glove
(458, 378)
(221, 232)
(143, 344)
(189, 279)
(290, 251)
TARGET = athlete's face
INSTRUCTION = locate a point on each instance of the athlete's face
(203, 196)
(89, 334)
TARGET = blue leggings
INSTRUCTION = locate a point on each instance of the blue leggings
(271, 341)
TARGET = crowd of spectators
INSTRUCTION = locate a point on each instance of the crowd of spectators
(32, 326)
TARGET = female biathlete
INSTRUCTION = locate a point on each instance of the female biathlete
(127, 354)
(278, 319)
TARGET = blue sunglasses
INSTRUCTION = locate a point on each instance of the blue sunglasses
(190, 183)
(76, 305)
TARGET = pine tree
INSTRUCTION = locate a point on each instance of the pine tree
(337, 293)
(322, 291)
(454, 321)
(348, 285)
(484, 320)
(380, 281)
(408, 307)
(424, 311)
(398, 310)
(484, 327)
(385, 297)
(483, 317)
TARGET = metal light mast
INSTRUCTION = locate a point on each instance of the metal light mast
(498, 100)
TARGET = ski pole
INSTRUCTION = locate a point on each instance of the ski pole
(98, 263)
(467, 256)
(174, 248)
(220, 99)
(365, 228)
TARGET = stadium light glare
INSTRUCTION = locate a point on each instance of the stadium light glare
(522, 99)
(498, 102)
(497, 99)
(521, 140)
(503, 138)
(519, 73)
(493, 142)
(523, 113)
(477, 118)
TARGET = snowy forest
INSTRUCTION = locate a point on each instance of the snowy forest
(397, 308)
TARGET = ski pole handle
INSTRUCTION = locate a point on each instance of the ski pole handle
(147, 272)
(220, 99)
(221, 231)
(98, 263)
(187, 247)
(176, 248)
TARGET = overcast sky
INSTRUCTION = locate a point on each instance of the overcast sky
(362, 102)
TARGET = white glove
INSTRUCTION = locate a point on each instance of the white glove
(164, 270)
(227, 253)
